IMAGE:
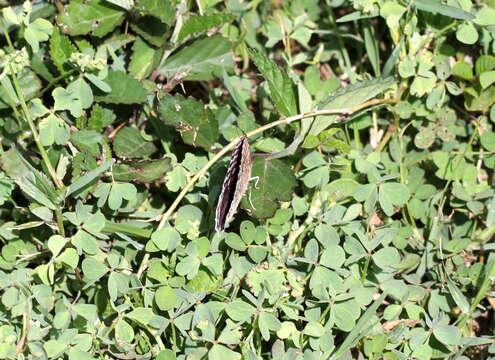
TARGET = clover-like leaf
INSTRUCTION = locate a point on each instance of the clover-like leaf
(36, 32)
(76, 98)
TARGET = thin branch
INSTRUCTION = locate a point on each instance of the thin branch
(233, 143)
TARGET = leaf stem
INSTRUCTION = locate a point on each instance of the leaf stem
(36, 136)
(273, 124)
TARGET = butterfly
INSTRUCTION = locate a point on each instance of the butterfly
(234, 185)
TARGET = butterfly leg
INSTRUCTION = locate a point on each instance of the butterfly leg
(257, 178)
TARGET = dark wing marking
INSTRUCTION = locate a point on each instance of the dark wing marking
(228, 188)
(242, 180)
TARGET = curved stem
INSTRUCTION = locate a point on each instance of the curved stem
(34, 131)
(234, 142)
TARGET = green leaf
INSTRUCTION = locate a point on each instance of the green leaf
(129, 143)
(200, 60)
(95, 17)
(162, 9)
(463, 70)
(85, 242)
(32, 182)
(281, 86)
(484, 63)
(151, 28)
(54, 348)
(386, 257)
(275, 184)
(393, 194)
(220, 352)
(371, 44)
(166, 239)
(29, 83)
(125, 89)
(196, 124)
(69, 257)
(239, 310)
(119, 192)
(356, 94)
(333, 257)
(314, 329)
(36, 32)
(447, 334)
(268, 323)
(458, 296)
(76, 98)
(53, 130)
(144, 171)
(56, 243)
(196, 24)
(88, 141)
(235, 242)
(100, 118)
(166, 354)
(141, 315)
(123, 331)
(93, 269)
(487, 78)
(143, 60)
(96, 81)
(488, 141)
(165, 298)
(435, 6)
(467, 34)
(88, 178)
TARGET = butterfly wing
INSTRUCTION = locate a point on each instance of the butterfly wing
(228, 188)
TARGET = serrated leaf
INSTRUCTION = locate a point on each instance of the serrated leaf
(100, 118)
(33, 183)
(275, 184)
(95, 17)
(162, 9)
(201, 60)
(281, 86)
(125, 89)
(196, 124)
(196, 24)
(129, 143)
(144, 171)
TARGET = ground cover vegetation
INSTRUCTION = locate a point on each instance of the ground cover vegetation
(367, 234)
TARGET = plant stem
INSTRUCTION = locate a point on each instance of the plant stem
(36, 136)
(234, 142)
